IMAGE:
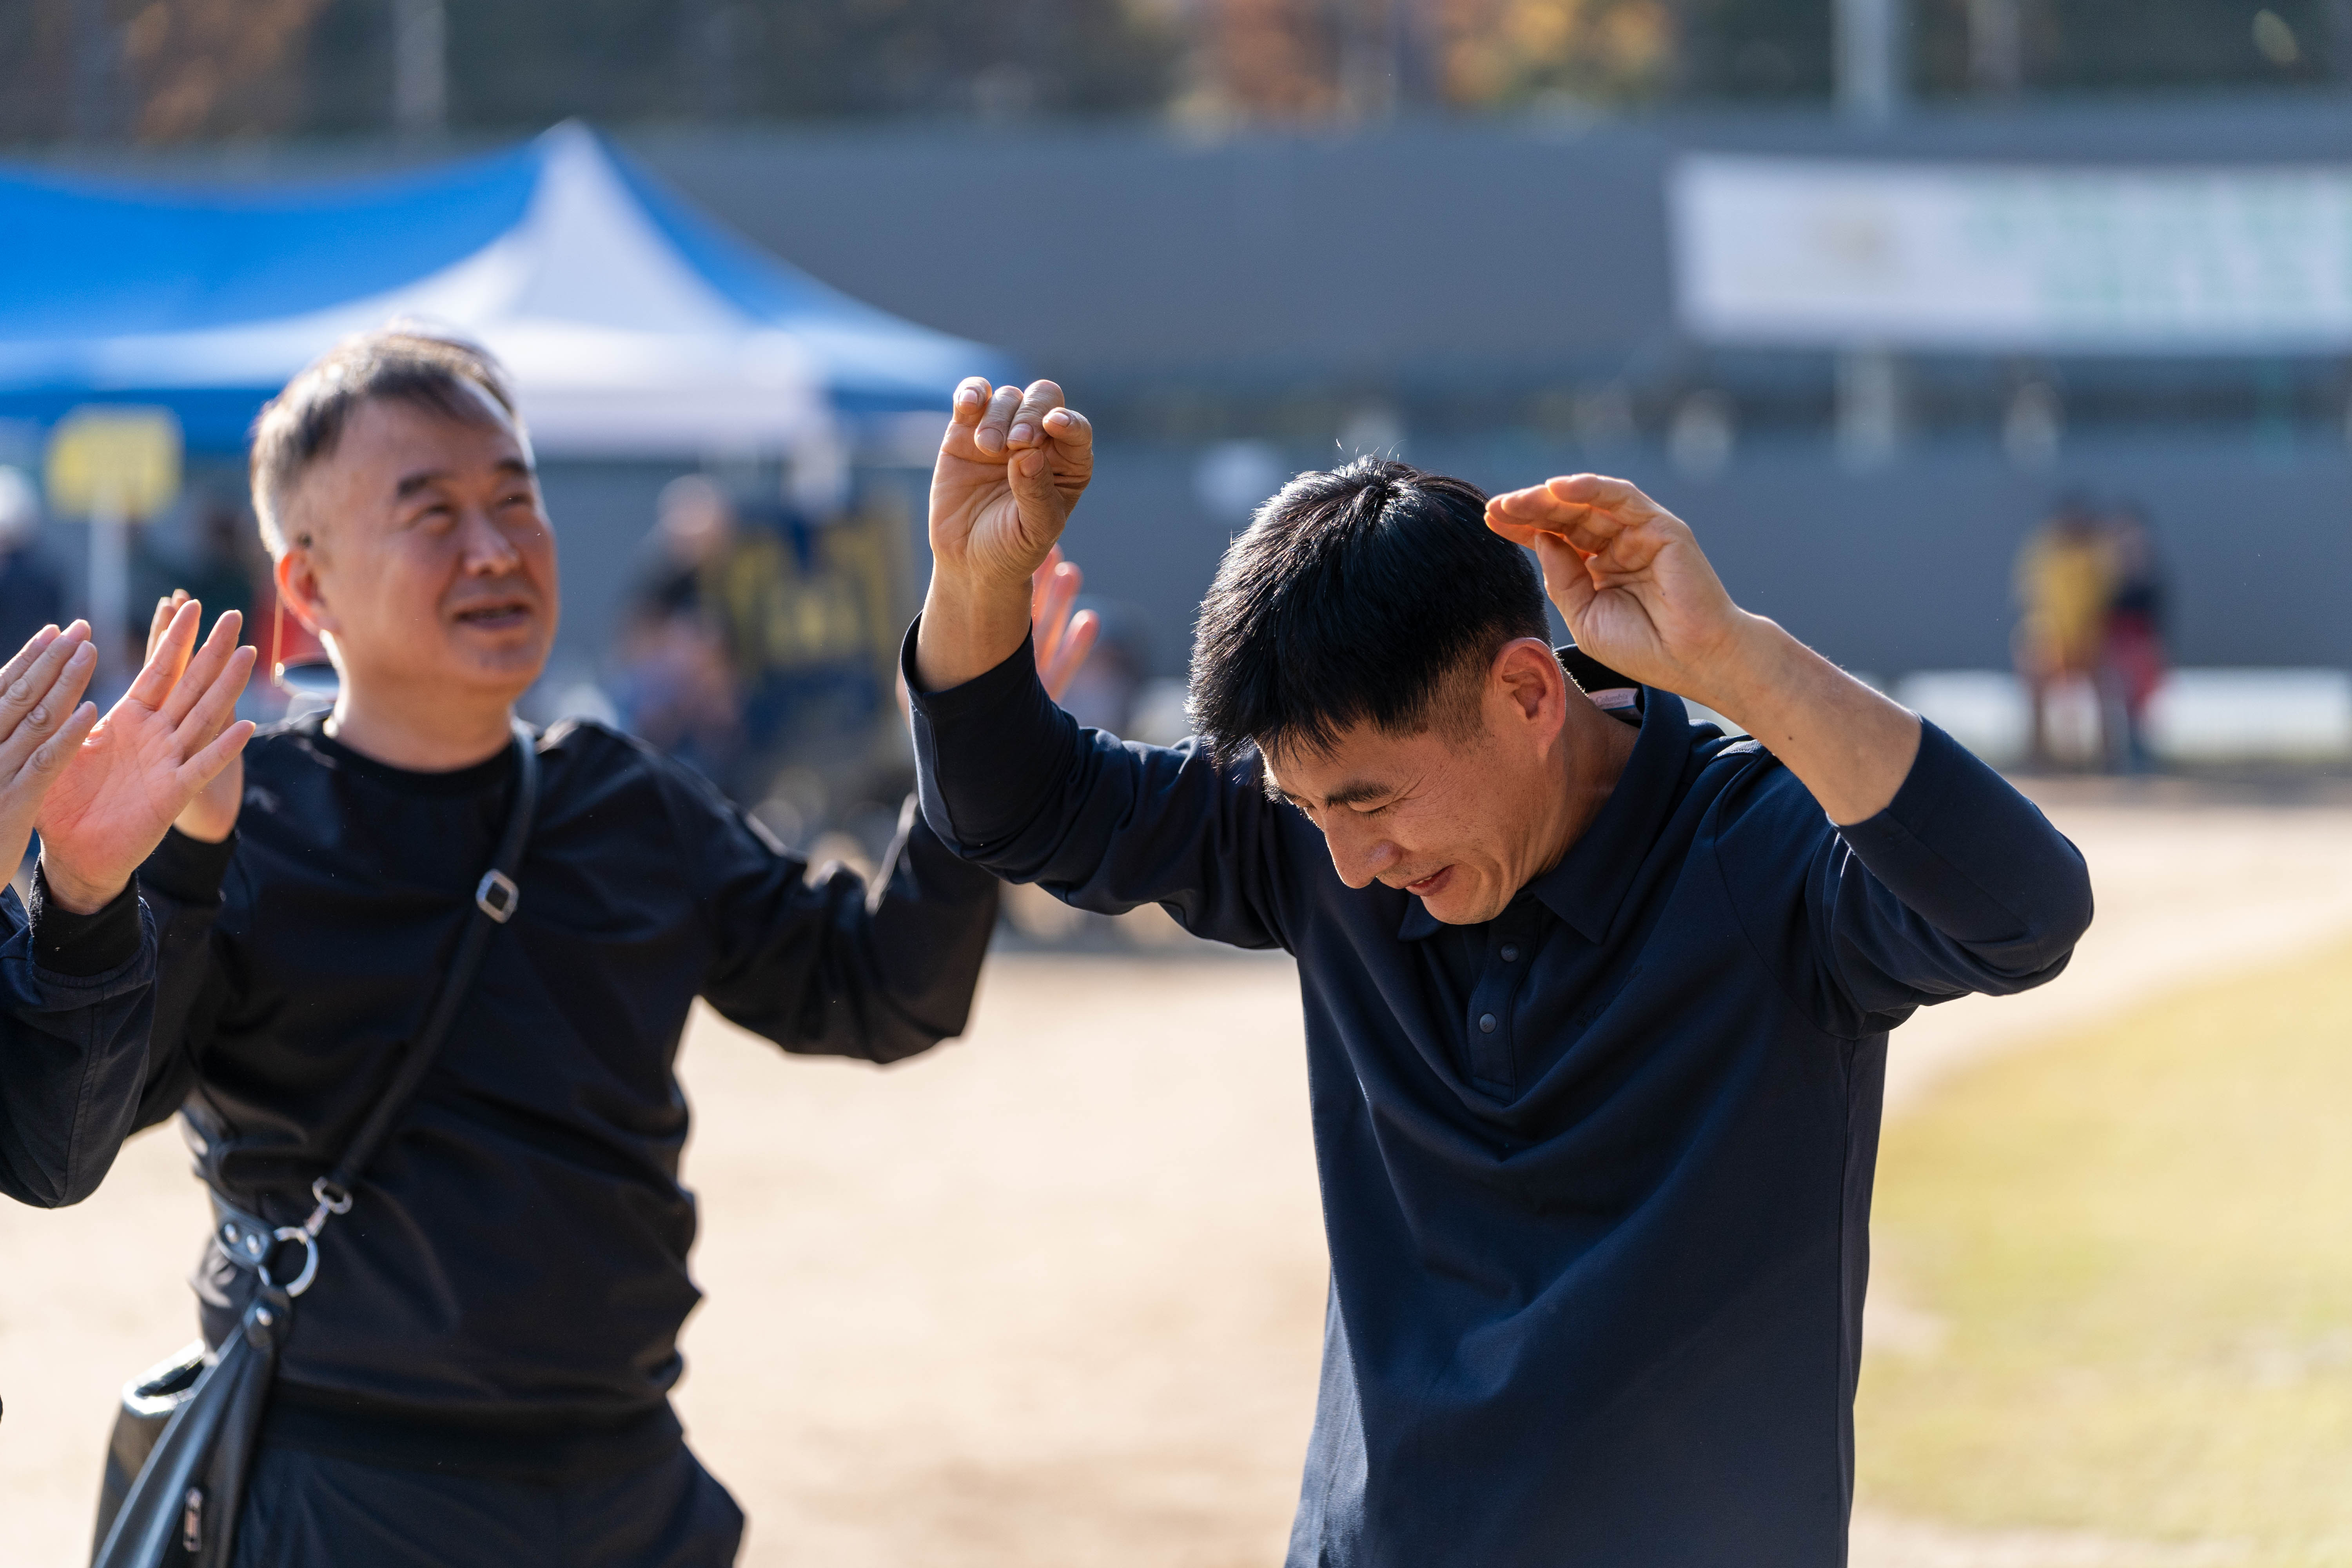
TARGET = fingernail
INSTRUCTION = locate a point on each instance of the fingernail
(1023, 433)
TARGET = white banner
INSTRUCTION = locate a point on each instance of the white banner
(1819, 253)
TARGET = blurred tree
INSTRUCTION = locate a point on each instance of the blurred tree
(157, 71)
(1353, 59)
(1270, 59)
(163, 71)
(213, 67)
(1496, 52)
(525, 62)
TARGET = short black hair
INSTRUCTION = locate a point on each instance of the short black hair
(1358, 593)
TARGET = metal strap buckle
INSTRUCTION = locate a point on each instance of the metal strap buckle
(498, 896)
(331, 1199)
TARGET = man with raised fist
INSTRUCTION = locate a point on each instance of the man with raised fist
(1597, 998)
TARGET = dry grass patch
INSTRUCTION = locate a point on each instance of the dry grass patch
(2138, 1245)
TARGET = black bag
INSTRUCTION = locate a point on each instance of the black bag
(175, 1467)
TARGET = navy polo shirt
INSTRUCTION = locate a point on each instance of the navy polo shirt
(1596, 1174)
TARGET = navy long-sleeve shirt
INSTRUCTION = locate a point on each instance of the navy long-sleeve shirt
(77, 998)
(1596, 1174)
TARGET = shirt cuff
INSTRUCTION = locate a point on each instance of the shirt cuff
(986, 752)
(188, 870)
(80, 945)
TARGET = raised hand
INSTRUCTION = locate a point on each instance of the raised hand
(211, 815)
(1629, 577)
(1642, 599)
(1010, 467)
(173, 730)
(40, 727)
(1063, 639)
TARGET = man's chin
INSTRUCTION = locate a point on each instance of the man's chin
(507, 671)
(1458, 901)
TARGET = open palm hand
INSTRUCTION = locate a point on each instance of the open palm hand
(169, 735)
(1628, 575)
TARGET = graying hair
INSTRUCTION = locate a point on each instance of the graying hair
(401, 363)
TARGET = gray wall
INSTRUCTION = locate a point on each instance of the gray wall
(1417, 253)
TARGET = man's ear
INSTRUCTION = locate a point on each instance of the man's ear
(1532, 683)
(299, 590)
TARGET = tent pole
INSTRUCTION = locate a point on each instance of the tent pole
(109, 585)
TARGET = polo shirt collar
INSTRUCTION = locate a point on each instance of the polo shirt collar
(1592, 879)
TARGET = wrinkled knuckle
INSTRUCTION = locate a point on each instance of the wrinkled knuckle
(39, 718)
(44, 759)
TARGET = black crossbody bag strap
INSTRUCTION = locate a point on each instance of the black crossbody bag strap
(495, 898)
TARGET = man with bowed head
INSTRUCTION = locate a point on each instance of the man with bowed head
(1597, 999)
(480, 1372)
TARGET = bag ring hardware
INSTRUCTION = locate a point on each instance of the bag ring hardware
(301, 1281)
(498, 896)
(330, 1198)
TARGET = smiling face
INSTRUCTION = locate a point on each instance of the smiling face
(1463, 815)
(421, 555)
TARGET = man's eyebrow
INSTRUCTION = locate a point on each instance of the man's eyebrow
(1347, 794)
(424, 478)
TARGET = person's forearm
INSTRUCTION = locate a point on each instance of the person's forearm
(969, 627)
(1851, 745)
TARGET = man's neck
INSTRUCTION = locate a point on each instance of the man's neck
(1593, 752)
(435, 737)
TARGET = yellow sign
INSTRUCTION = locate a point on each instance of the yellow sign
(114, 457)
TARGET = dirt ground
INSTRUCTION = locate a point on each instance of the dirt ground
(1052, 1295)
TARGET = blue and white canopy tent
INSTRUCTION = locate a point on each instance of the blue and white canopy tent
(635, 326)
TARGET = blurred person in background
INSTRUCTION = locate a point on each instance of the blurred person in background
(480, 1374)
(218, 571)
(32, 590)
(2134, 663)
(753, 644)
(801, 615)
(674, 685)
(1597, 999)
(2065, 582)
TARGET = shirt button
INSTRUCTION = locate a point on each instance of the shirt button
(1485, 1023)
(1510, 952)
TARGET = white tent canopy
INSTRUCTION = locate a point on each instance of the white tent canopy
(633, 327)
